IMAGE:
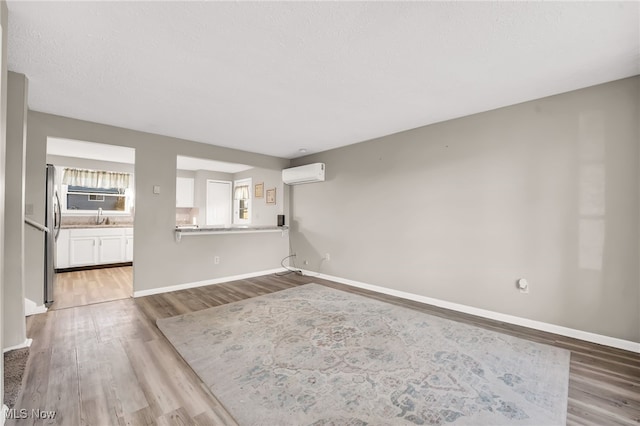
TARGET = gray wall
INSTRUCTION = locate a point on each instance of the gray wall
(3, 124)
(13, 299)
(263, 214)
(34, 209)
(59, 160)
(158, 260)
(547, 190)
(186, 173)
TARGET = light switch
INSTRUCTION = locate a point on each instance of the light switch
(156, 189)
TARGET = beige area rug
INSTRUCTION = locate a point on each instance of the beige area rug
(312, 355)
(15, 363)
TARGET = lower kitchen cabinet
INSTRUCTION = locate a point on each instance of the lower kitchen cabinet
(128, 249)
(93, 246)
(82, 251)
(110, 249)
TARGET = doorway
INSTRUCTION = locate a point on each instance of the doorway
(94, 222)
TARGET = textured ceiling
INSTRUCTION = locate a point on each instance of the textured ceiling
(276, 77)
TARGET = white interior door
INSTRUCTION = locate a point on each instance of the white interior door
(218, 203)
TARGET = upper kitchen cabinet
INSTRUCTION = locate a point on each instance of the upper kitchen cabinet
(184, 192)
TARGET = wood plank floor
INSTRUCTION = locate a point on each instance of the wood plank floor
(80, 288)
(108, 364)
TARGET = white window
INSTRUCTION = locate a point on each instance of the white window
(86, 191)
(242, 202)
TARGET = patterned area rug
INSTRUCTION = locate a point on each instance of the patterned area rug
(312, 355)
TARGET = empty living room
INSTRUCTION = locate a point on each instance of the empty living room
(320, 213)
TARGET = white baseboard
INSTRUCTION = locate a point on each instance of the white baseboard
(32, 308)
(511, 319)
(3, 415)
(27, 343)
(221, 280)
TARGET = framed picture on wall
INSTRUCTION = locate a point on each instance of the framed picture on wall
(271, 196)
(259, 190)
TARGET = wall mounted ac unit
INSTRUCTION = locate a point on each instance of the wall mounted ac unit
(304, 174)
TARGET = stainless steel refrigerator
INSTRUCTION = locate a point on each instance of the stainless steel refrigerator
(52, 224)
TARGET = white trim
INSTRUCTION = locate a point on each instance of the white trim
(511, 319)
(3, 417)
(31, 308)
(212, 281)
(25, 344)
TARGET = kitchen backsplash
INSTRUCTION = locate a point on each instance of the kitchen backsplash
(186, 215)
(91, 220)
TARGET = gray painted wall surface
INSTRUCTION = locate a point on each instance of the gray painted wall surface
(186, 173)
(263, 214)
(546, 190)
(3, 124)
(86, 163)
(13, 298)
(158, 260)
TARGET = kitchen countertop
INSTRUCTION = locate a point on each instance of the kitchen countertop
(89, 226)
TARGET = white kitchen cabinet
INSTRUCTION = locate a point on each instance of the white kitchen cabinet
(184, 192)
(82, 251)
(93, 246)
(128, 249)
(110, 249)
(62, 250)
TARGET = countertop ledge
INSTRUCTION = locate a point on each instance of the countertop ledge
(222, 229)
(230, 230)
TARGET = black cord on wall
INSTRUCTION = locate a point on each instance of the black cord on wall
(297, 270)
(288, 268)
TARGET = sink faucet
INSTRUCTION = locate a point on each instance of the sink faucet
(99, 220)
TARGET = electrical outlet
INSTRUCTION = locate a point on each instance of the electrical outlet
(216, 260)
(306, 262)
(327, 257)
